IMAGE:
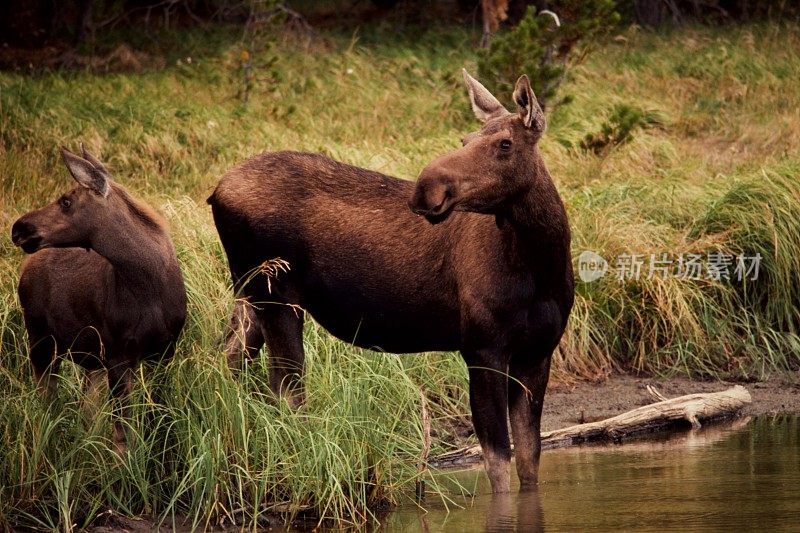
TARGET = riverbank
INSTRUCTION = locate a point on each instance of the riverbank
(584, 401)
(580, 401)
(565, 405)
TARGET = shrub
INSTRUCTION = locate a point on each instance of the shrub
(544, 47)
(618, 129)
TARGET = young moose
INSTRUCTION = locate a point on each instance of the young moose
(487, 271)
(103, 285)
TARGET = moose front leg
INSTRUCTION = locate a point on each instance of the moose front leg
(120, 377)
(91, 398)
(529, 373)
(45, 364)
(488, 398)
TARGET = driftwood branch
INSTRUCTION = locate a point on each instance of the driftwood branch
(657, 396)
(692, 408)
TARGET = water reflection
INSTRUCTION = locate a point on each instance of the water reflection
(740, 476)
(515, 512)
(498, 513)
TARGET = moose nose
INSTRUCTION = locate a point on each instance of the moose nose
(19, 231)
(430, 195)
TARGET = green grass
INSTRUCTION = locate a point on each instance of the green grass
(718, 174)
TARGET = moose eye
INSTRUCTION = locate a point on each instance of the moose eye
(65, 202)
(505, 145)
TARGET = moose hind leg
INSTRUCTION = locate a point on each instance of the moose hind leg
(245, 337)
(488, 398)
(529, 375)
(282, 326)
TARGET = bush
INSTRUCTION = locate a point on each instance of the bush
(618, 129)
(544, 47)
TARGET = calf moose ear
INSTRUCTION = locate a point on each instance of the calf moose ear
(484, 104)
(85, 173)
(94, 161)
(529, 110)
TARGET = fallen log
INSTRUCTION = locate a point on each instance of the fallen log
(691, 409)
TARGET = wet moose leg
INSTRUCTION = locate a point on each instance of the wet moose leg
(528, 373)
(488, 398)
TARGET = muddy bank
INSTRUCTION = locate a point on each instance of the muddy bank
(575, 403)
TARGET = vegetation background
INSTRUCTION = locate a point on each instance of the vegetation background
(681, 139)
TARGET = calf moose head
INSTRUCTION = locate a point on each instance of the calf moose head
(71, 220)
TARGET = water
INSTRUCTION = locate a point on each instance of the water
(742, 476)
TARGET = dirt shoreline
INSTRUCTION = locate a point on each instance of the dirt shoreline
(574, 403)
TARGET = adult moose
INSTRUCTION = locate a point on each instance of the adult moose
(103, 285)
(488, 274)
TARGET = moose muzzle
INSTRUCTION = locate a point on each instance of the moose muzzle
(24, 235)
(434, 196)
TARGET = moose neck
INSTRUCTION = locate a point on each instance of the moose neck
(535, 223)
(137, 246)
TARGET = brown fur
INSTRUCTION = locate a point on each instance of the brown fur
(487, 270)
(102, 285)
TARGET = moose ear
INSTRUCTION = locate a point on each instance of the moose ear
(484, 104)
(529, 110)
(94, 161)
(85, 173)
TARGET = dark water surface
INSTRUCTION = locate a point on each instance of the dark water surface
(741, 476)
